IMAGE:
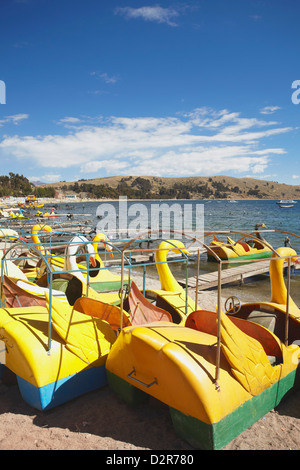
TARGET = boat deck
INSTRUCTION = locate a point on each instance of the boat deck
(232, 274)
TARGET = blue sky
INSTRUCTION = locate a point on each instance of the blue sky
(172, 88)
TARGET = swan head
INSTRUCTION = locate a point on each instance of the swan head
(37, 228)
(286, 252)
(81, 242)
(102, 237)
(176, 246)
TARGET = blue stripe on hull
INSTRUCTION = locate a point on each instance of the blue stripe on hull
(62, 390)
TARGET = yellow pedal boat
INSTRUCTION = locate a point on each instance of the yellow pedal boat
(219, 373)
(58, 351)
(74, 363)
(255, 248)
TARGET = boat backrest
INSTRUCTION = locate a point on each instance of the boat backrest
(206, 321)
(102, 310)
(15, 296)
(142, 310)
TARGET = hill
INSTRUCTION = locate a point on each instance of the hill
(194, 187)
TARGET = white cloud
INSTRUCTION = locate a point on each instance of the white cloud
(269, 109)
(14, 119)
(150, 13)
(48, 178)
(295, 177)
(204, 141)
(104, 76)
(72, 120)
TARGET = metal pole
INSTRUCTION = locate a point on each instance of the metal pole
(50, 313)
(197, 278)
(218, 353)
(122, 281)
(286, 329)
(187, 287)
(144, 280)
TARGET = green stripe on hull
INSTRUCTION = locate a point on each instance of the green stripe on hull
(106, 285)
(214, 436)
(266, 254)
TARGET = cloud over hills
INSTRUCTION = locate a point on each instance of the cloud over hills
(204, 141)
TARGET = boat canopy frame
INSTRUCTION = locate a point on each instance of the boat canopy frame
(125, 255)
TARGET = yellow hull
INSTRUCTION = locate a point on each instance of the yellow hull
(241, 251)
(48, 378)
(177, 365)
(180, 363)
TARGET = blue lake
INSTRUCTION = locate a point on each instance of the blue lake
(217, 216)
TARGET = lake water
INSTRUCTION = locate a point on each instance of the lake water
(217, 216)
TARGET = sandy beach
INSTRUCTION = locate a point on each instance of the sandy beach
(101, 421)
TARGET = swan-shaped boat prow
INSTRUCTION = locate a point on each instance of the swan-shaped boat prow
(77, 243)
(167, 280)
(35, 238)
(86, 276)
(171, 297)
(278, 287)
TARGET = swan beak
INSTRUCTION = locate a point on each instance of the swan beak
(93, 261)
(109, 249)
(186, 252)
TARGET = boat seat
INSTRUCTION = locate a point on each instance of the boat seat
(142, 311)
(245, 246)
(206, 321)
(266, 319)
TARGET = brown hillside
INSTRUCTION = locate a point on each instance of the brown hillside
(194, 187)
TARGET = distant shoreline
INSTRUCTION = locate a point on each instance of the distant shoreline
(75, 201)
(49, 201)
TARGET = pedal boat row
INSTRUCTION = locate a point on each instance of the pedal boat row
(218, 372)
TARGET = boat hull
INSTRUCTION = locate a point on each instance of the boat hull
(217, 435)
(50, 377)
(176, 365)
(239, 250)
(229, 254)
(213, 436)
(63, 390)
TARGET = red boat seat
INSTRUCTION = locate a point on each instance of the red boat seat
(245, 246)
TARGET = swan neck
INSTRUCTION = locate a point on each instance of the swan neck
(278, 287)
(167, 280)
